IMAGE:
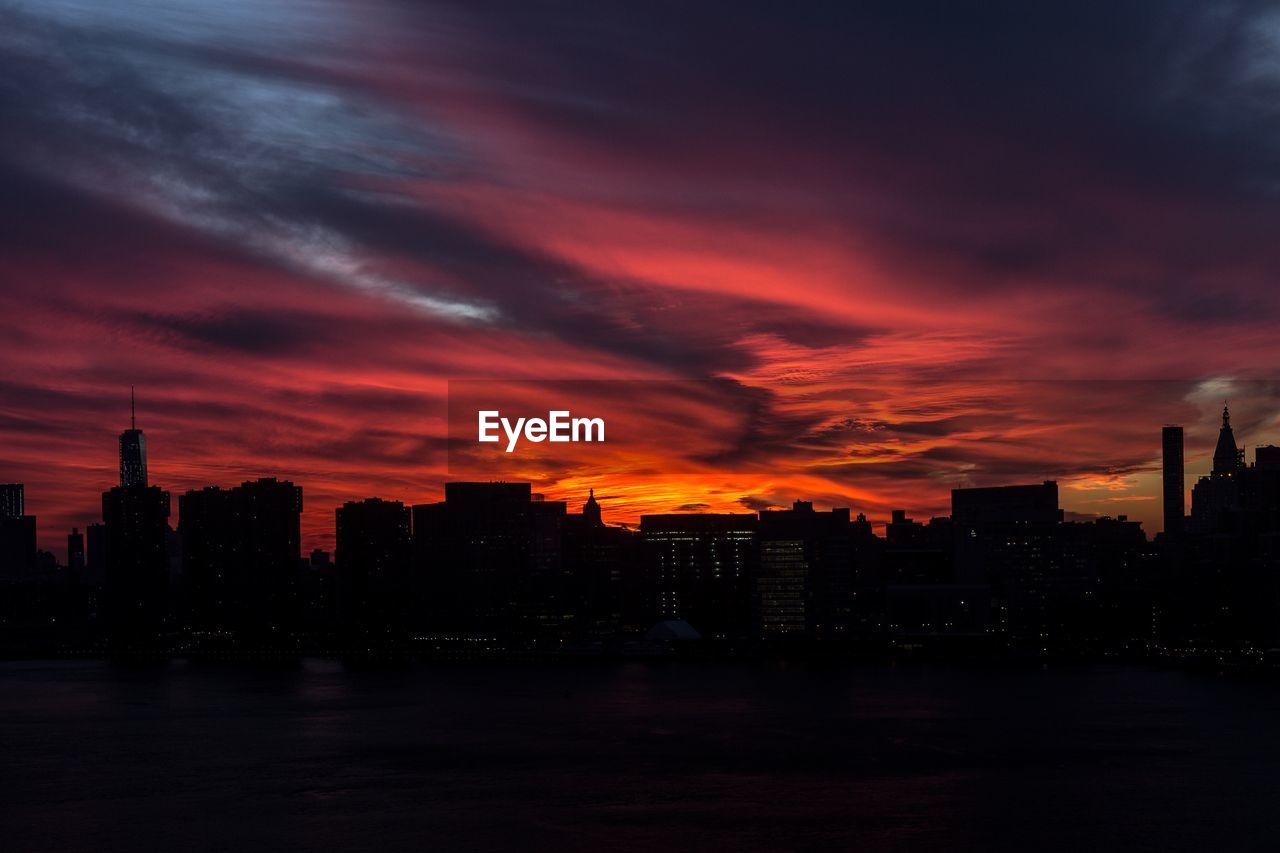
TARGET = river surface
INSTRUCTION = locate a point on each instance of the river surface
(649, 757)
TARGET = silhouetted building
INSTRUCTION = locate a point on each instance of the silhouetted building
(1227, 457)
(701, 568)
(75, 553)
(922, 609)
(916, 553)
(591, 517)
(489, 564)
(1226, 594)
(133, 451)
(1007, 538)
(1214, 498)
(372, 557)
(1102, 598)
(600, 568)
(804, 584)
(240, 553)
(17, 534)
(12, 503)
(18, 550)
(136, 520)
(543, 596)
(1267, 457)
(901, 530)
(319, 593)
(1174, 480)
(95, 540)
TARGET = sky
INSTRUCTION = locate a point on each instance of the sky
(908, 247)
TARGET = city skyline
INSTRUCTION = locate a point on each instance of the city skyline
(496, 568)
(134, 469)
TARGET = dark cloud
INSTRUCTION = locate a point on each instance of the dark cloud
(756, 503)
(1009, 140)
(250, 332)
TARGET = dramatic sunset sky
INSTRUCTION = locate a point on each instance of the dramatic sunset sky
(915, 245)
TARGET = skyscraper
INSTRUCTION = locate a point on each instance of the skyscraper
(240, 553)
(372, 555)
(1007, 537)
(133, 450)
(11, 501)
(75, 552)
(599, 562)
(137, 560)
(17, 532)
(1215, 498)
(135, 544)
(1227, 458)
(1175, 501)
(17, 545)
(804, 582)
(95, 561)
(702, 569)
(489, 561)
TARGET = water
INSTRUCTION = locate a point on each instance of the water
(186, 756)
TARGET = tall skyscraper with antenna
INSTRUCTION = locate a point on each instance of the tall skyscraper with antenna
(135, 516)
(133, 449)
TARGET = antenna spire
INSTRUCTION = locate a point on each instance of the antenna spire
(133, 410)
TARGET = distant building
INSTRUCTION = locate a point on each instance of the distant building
(901, 530)
(318, 594)
(18, 551)
(372, 557)
(1174, 480)
(17, 534)
(240, 553)
(136, 520)
(1227, 457)
(11, 501)
(804, 583)
(1231, 580)
(1007, 538)
(95, 540)
(1102, 593)
(488, 561)
(1267, 457)
(135, 550)
(605, 586)
(1215, 497)
(133, 451)
(701, 568)
(916, 553)
(75, 553)
(1036, 504)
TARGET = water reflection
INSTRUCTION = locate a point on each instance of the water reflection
(631, 756)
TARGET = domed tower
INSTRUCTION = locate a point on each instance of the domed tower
(591, 511)
(1227, 458)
